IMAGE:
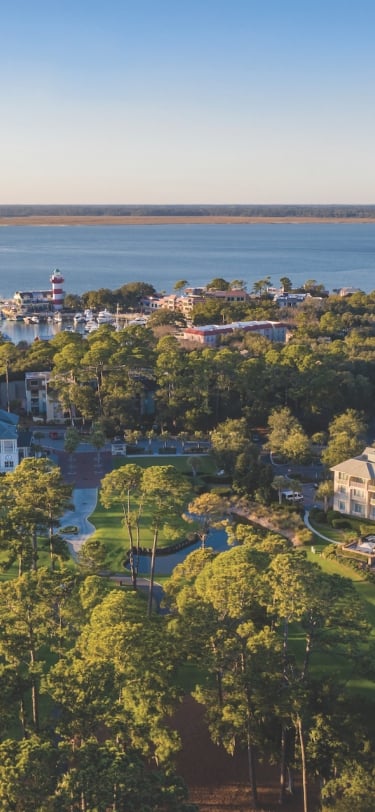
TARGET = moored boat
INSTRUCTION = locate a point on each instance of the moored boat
(105, 317)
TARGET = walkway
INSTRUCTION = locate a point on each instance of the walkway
(316, 532)
(84, 504)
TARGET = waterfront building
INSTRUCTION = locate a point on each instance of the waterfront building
(186, 303)
(209, 334)
(39, 301)
(235, 295)
(290, 299)
(32, 300)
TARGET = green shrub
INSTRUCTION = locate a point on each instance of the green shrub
(366, 529)
(330, 551)
(340, 524)
(333, 514)
(318, 515)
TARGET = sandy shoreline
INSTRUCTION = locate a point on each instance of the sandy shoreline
(165, 220)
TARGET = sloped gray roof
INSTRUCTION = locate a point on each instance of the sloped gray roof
(362, 466)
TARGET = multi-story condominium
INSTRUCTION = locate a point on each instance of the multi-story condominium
(354, 485)
(186, 302)
(39, 403)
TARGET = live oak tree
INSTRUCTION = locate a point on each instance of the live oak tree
(92, 556)
(286, 435)
(228, 440)
(209, 510)
(347, 433)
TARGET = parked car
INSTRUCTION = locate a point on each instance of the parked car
(292, 496)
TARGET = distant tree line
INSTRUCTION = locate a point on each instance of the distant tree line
(238, 210)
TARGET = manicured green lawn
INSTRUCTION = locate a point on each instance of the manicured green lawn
(205, 464)
(109, 523)
(342, 536)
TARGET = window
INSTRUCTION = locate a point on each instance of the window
(357, 508)
(8, 446)
(342, 489)
(9, 464)
(342, 506)
(359, 492)
(342, 477)
(357, 479)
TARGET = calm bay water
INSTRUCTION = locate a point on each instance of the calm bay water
(91, 257)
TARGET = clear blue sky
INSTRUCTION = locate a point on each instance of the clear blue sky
(187, 101)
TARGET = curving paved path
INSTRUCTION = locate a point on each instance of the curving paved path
(316, 532)
(84, 503)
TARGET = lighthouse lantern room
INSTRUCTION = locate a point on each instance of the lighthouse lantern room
(57, 281)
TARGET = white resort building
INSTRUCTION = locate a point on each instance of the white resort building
(354, 485)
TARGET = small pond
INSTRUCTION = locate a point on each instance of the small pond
(166, 563)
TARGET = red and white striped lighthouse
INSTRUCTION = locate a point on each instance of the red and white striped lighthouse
(57, 281)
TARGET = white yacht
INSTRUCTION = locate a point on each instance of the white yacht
(105, 317)
(91, 325)
(79, 318)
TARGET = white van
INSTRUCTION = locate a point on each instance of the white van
(292, 496)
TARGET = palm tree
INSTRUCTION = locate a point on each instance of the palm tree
(324, 492)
